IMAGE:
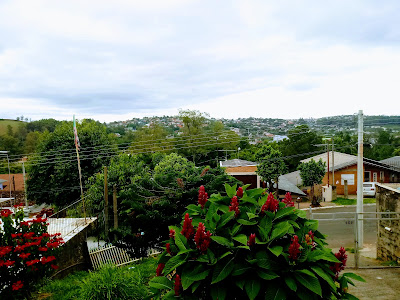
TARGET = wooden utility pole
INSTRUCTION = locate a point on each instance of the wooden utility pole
(25, 192)
(115, 207)
(105, 200)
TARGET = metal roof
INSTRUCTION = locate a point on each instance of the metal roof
(237, 163)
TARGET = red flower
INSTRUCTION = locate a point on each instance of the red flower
(288, 200)
(28, 235)
(239, 192)
(187, 229)
(203, 196)
(17, 285)
(234, 206)
(159, 270)
(5, 250)
(24, 255)
(294, 248)
(177, 285)
(168, 248)
(54, 267)
(4, 213)
(172, 234)
(271, 204)
(24, 223)
(32, 262)
(202, 238)
(15, 235)
(43, 249)
(45, 260)
(337, 267)
(9, 263)
(252, 240)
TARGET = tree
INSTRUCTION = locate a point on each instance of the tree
(312, 173)
(53, 170)
(270, 165)
(151, 139)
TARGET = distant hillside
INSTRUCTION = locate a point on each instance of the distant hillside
(5, 122)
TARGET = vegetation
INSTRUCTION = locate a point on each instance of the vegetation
(248, 245)
(344, 201)
(312, 173)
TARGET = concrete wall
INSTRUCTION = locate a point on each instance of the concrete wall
(388, 246)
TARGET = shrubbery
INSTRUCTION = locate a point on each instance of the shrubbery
(249, 245)
(27, 253)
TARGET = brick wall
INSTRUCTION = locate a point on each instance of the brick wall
(388, 246)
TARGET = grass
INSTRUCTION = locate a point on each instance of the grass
(343, 201)
(109, 282)
(5, 123)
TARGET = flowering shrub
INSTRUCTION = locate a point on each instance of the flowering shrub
(247, 245)
(27, 253)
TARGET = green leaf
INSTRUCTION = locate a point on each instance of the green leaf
(241, 238)
(247, 199)
(180, 241)
(321, 273)
(224, 255)
(251, 215)
(194, 208)
(276, 250)
(252, 288)
(240, 283)
(262, 260)
(309, 280)
(175, 262)
(195, 286)
(222, 270)
(246, 222)
(241, 269)
(196, 274)
(354, 276)
(230, 190)
(161, 283)
(186, 282)
(225, 218)
(280, 230)
(222, 241)
(283, 212)
(218, 292)
(243, 247)
(275, 292)
(267, 275)
(263, 233)
(291, 283)
(312, 224)
(235, 229)
(322, 255)
(301, 213)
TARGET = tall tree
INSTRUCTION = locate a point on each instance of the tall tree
(312, 173)
(151, 139)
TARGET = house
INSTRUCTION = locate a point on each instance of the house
(17, 179)
(245, 171)
(345, 168)
(392, 161)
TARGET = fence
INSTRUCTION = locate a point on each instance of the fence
(109, 254)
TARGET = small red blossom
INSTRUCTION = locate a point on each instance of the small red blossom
(172, 234)
(203, 196)
(45, 260)
(54, 267)
(271, 204)
(252, 240)
(25, 223)
(168, 248)
(17, 285)
(202, 238)
(187, 229)
(177, 285)
(160, 269)
(239, 192)
(5, 250)
(288, 200)
(15, 235)
(9, 263)
(234, 206)
(32, 262)
(24, 255)
(4, 213)
(294, 248)
(43, 249)
(337, 267)
(28, 235)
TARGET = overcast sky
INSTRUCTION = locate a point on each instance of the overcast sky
(114, 60)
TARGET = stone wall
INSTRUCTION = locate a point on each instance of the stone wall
(388, 200)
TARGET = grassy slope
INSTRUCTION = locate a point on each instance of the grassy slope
(4, 123)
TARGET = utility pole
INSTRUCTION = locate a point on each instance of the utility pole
(333, 163)
(105, 201)
(360, 180)
(327, 148)
(26, 196)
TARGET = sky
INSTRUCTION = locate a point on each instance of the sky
(115, 60)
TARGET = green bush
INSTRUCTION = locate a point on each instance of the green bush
(247, 245)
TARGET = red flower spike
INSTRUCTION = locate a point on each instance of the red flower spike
(177, 285)
(235, 206)
(17, 285)
(203, 196)
(159, 270)
(4, 213)
(202, 238)
(288, 200)
(168, 248)
(252, 240)
(271, 204)
(172, 234)
(342, 257)
(294, 248)
(187, 229)
(239, 192)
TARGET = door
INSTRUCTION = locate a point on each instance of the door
(367, 176)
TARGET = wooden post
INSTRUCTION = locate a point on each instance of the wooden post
(105, 201)
(115, 207)
(346, 190)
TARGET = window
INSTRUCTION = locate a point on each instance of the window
(382, 176)
(348, 177)
(375, 177)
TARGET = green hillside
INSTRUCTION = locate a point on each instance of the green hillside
(5, 122)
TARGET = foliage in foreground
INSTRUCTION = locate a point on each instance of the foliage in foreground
(247, 245)
(109, 282)
(27, 253)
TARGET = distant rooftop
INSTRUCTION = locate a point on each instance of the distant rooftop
(237, 163)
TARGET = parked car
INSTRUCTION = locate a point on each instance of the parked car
(369, 189)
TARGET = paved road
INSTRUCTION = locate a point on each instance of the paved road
(340, 232)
